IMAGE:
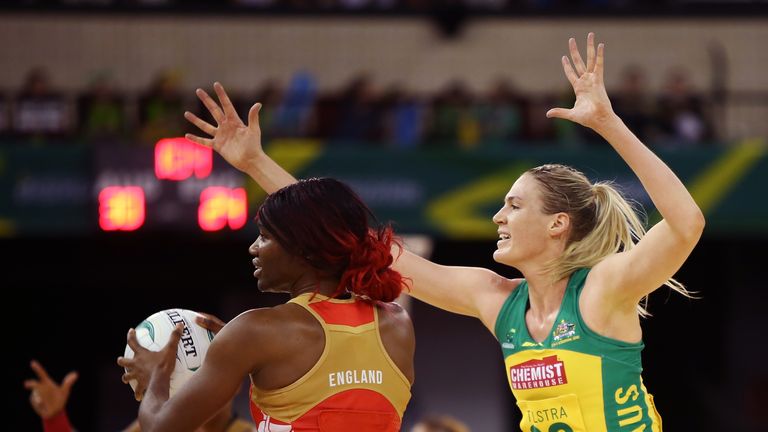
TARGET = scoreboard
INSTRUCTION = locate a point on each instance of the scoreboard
(175, 187)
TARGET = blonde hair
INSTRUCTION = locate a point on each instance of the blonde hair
(603, 222)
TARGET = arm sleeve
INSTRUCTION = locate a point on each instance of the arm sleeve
(57, 423)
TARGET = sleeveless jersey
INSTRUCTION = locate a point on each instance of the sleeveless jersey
(354, 386)
(575, 380)
(239, 425)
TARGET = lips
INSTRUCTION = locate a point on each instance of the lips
(256, 264)
(503, 238)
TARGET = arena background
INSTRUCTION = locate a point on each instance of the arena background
(73, 284)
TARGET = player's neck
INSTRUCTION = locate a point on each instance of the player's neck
(326, 287)
(544, 295)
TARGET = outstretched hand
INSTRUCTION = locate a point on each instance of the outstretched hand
(235, 141)
(146, 363)
(48, 398)
(592, 107)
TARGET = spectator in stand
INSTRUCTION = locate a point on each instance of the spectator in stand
(567, 133)
(537, 127)
(292, 117)
(271, 93)
(102, 111)
(681, 112)
(360, 114)
(326, 116)
(39, 111)
(632, 102)
(159, 108)
(454, 122)
(403, 119)
(501, 116)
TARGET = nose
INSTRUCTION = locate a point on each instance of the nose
(498, 218)
(254, 248)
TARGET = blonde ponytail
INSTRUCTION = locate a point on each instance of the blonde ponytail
(603, 222)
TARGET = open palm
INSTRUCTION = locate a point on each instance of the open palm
(592, 107)
(48, 397)
(235, 141)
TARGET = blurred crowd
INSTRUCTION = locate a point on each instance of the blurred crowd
(360, 113)
(369, 5)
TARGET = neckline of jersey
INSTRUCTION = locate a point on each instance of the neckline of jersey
(568, 288)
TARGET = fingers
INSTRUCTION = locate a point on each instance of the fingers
(600, 62)
(200, 123)
(69, 381)
(39, 370)
(209, 103)
(209, 322)
(173, 341)
(226, 104)
(578, 63)
(37, 403)
(138, 392)
(591, 52)
(31, 384)
(133, 342)
(127, 377)
(253, 116)
(569, 73)
(125, 362)
(559, 113)
(206, 142)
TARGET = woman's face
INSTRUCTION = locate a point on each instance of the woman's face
(277, 270)
(524, 230)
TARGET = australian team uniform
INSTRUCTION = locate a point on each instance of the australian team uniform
(574, 380)
(354, 387)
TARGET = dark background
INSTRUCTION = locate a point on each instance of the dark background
(71, 300)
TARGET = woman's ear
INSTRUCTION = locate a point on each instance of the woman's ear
(559, 224)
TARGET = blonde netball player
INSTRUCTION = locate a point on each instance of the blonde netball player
(570, 329)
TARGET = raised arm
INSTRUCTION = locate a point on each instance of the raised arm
(238, 143)
(628, 276)
(49, 398)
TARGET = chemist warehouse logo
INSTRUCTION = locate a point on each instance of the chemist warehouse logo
(547, 372)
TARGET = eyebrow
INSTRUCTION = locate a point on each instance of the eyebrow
(510, 198)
